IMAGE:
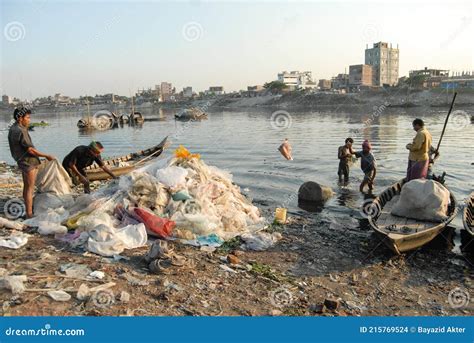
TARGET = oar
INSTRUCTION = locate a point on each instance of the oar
(446, 122)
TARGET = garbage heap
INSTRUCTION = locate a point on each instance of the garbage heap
(180, 198)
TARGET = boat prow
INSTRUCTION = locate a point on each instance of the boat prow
(468, 215)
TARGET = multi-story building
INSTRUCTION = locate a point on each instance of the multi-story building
(166, 91)
(216, 90)
(361, 75)
(188, 92)
(297, 79)
(385, 62)
(341, 81)
(324, 85)
(6, 99)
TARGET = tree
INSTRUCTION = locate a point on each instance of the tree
(275, 86)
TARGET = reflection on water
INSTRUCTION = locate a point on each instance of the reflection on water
(246, 143)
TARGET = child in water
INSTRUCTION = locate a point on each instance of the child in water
(367, 164)
(285, 150)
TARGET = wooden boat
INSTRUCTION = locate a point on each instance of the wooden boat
(399, 233)
(468, 215)
(127, 163)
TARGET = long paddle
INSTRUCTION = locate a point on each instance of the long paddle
(446, 122)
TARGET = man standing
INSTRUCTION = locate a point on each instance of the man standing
(82, 157)
(25, 154)
(418, 159)
(344, 154)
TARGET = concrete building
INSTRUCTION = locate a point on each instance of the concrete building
(361, 75)
(6, 99)
(255, 90)
(385, 62)
(340, 82)
(429, 72)
(427, 78)
(324, 85)
(296, 79)
(188, 92)
(166, 90)
(216, 90)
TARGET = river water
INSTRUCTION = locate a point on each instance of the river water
(245, 143)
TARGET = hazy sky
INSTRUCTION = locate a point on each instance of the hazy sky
(92, 47)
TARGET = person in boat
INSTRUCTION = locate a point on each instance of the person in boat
(25, 155)
(82, 157)
(367, 164)
(344, 154)
(418, 158)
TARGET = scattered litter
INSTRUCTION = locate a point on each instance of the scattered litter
(135, 281)
(83, 293)
(124, 297)
(227, 269)
(50, 228)
(9, 224)
(79, 271)
(16, 240)
(59, 295)
(260, 241)
(97, 274)
(13, 283)
(172, 176)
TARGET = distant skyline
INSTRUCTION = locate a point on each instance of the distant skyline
(96, 47)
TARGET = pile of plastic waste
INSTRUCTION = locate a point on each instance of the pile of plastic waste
(180, 197)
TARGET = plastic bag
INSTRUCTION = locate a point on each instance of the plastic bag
(52, 178)
(43, 202)
(155, 225)
(172, 176)
(261, 240)
(146, 191)
(9, 224)
(49, 228)
(182, 152)
(57, 215)
(16, 240)
(107, 241)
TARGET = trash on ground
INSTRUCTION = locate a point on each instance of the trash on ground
(14, 283)
(16, 240)
(97, 274)
(59, 295)
(260, 241)
(10, 224)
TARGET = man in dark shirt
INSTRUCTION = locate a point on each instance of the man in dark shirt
(82, 157)
(25, 154)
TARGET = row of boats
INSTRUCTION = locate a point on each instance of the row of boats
(104, 120)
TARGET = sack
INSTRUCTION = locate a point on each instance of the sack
(52, 178)
(422, 199)
(155, 225)
(43, 202)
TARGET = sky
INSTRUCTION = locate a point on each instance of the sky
(97, 47)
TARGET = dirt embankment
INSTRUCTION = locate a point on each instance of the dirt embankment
(396, 97)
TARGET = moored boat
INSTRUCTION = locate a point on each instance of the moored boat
(127, 163)
(402, 234)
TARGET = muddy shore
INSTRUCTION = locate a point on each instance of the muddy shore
(316, 269)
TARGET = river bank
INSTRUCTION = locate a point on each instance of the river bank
(318, 268)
